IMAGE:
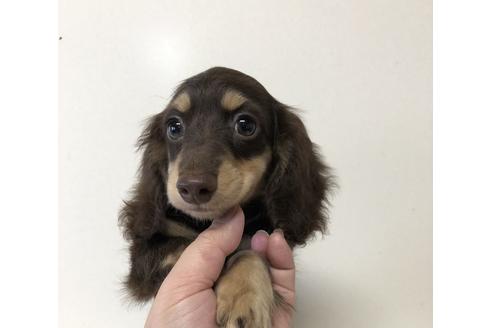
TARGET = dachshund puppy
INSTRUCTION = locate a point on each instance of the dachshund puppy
(223, 141)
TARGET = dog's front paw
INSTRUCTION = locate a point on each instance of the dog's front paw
(245, 296)
(244, 310)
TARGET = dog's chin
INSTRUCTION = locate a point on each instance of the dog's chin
(200, 213)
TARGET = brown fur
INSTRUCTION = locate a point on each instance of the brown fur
(286, 182)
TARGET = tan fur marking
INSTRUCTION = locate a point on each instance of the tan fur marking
(173, 257)
(182, 102)
(245, 292)
(232, 100)
(172, 179)
(174, 229)
(251, 171)
(237, 182)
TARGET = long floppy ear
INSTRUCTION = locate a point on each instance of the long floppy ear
(139, 216)
(298, 187)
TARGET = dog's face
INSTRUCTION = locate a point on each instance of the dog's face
(218, 138)
(219, 149)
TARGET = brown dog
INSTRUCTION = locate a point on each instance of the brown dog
(223, 141)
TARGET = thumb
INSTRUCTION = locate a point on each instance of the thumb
(201, 262)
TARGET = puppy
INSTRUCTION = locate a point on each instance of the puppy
(223, 141)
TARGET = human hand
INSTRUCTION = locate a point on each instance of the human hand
(186, 297)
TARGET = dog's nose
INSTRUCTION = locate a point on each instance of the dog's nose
(197, 189)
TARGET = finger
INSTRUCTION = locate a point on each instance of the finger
(282, 269)
(259, 242)
(279, 253)
(201, 262)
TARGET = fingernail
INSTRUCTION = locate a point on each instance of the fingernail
(262, 232)
(259, 242)
(280, 231)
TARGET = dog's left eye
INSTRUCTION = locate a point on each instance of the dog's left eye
(175, 128)
(245, 126)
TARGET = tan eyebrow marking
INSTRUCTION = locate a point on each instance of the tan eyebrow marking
(182, 102)
(232, 100)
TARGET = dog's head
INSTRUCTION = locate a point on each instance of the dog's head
(224, 140)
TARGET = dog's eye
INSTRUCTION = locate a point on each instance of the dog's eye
(175, 128)
(245, 126)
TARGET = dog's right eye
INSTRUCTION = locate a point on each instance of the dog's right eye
(175, 128)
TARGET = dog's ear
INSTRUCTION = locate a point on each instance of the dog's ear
(299, 182)
(139, 217)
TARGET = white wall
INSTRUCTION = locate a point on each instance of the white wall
(361, 70)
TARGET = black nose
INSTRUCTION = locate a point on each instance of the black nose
(197, 189)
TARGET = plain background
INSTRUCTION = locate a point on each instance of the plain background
(360, 70)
